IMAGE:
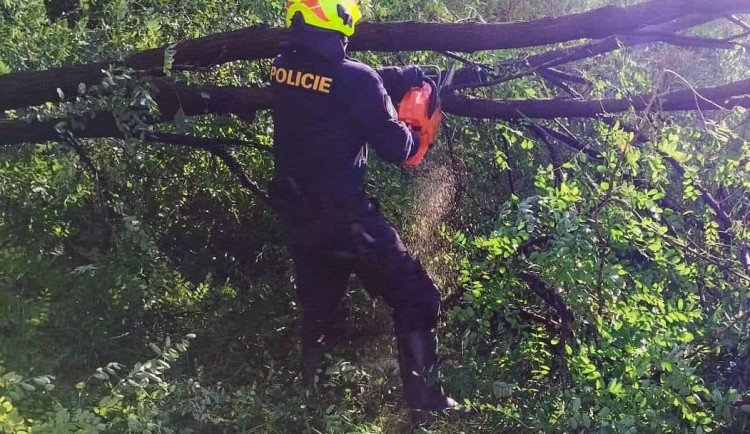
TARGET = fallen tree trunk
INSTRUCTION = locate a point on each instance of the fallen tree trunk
(23, 89)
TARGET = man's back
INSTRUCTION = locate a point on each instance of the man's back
(325, 112)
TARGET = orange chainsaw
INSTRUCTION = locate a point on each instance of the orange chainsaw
(420, 109)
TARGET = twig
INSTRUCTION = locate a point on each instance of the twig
(737, 36)
(99, 178)
(236, 168)
(465, 60)
(558, 304)
(555, 81)
(509, 172)
(738, 21)
(691, 41)
(556, 166)
(717, 335)
(207, 143)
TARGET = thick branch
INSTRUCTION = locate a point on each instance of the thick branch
(243, 102)
(579, 52)
(23, 89)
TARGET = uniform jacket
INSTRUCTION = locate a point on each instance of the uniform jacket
(327, 109)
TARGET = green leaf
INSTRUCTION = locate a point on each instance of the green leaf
(155, 348)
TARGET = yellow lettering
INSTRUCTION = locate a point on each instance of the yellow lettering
(325, 85)
(306, 80)
(281, 75)
(301, 79)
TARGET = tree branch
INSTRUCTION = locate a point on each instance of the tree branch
(563, 56)
(100, 179)
(245, 100)
(554, 80)
(720, 97)
(23, 89)
(194, 101)
(739, 22)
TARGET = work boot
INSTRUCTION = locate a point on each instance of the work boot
(418, 363)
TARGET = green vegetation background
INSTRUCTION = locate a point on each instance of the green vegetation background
(169, 307)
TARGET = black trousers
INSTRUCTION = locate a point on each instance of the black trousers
(330, 241)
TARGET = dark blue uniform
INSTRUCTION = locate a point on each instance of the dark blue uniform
(327, 109)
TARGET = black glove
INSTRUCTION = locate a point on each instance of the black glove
(413, 76)
(397, 81)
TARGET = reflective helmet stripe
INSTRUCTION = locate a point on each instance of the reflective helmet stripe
(337, 15)
(314, 6)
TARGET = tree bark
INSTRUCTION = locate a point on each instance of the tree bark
(23, 89)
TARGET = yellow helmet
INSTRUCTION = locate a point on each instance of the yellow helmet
(337, 15)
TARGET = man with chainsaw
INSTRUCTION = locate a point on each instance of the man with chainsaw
(327, 109)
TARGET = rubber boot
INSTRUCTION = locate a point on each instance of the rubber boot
(418, 362)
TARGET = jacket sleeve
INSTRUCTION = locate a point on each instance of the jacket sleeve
(374, 112)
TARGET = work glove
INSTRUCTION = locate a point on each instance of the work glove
(413, 76)
(398, 80)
